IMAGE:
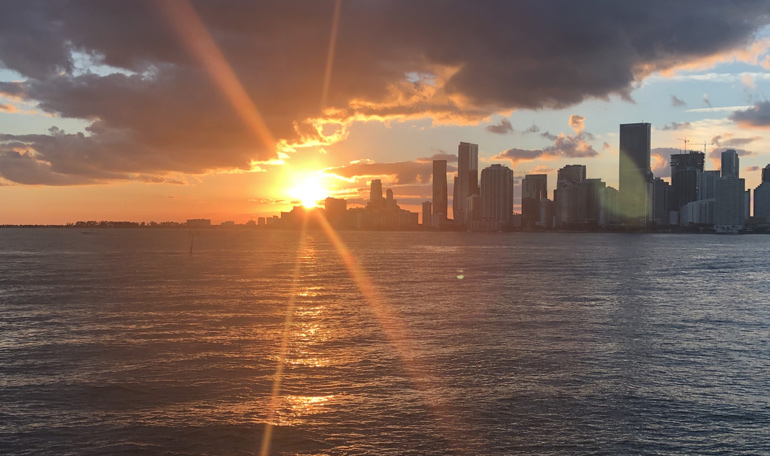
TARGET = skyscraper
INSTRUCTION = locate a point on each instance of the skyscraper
(707, 185)
(762, 196)
(565, 199)
(634, 173)
(467, 178)
(729, 211)
(426, 214)
(660, 201)
(685, 169)
(497, 194)
(730, 164)
(439, 189)
(375, 195)
(534, 187)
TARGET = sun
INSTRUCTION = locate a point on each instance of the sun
(308, 189)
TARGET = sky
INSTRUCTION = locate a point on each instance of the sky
(233, 110)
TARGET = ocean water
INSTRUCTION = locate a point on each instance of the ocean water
(123, 342)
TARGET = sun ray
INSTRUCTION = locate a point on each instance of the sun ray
(330, 54)
(196, 37)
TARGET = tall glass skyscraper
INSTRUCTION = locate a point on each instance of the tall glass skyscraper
(635, 174)
(497, 194)
(467, 178)
(439, 188)
(730, 163)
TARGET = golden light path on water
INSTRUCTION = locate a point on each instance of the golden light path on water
(193, 32)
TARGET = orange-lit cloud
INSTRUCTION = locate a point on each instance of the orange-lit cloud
(203, 88)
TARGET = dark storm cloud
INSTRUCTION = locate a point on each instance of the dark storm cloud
(464, 61)
(503, 128)
(756, 116)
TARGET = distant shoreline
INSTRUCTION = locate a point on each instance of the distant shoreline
(617, 230)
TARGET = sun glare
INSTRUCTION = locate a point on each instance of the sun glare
(308, 189)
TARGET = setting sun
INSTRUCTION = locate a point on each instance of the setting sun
(308, 189)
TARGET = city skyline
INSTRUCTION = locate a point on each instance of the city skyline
(173, 131)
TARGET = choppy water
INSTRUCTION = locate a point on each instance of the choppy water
(124, 343)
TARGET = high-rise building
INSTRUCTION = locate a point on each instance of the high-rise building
(634, 173)
(571, 173)
(565, 199)
(390, 202)
(746, 205)
(426, 214)
(376, 201)
(608, 206)
(685, 169)
(660, 201)
(707, 185)
(762, 196)
(439, 188)
(730, 164)
(534, 187)
(467, 178)
(335, 210)
(546, 213)
(729, 212)
(497, 194)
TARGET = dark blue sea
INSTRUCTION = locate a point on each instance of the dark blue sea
(124, 342)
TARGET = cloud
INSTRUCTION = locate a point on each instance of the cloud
(706, 100)
(450, 158)
(716, 153)
(516, 155)
(541, 169)
(563, 146)
(503, 128)
(577, 123)
(718, 109)
(752, 168)
(675, 126)
(532, 129)
(547, 135)
(659, 165)
(154, 109)
(729, 140)
(405, 172)
(754, 116)
(676, 101)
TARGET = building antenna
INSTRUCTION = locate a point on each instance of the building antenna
(685, 144)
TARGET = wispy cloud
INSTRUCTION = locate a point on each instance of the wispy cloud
(719, 109)
(676, 101)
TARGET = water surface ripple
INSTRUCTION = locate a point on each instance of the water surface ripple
(125, 343)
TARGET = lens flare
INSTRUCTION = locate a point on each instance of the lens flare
(309, 190)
